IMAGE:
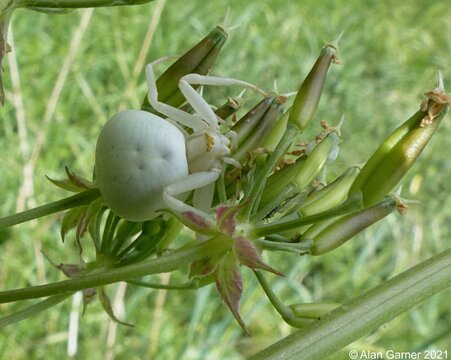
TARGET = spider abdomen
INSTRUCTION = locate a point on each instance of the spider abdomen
(138, 154)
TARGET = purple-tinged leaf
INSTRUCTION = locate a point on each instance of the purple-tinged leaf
(196, 222)
(225, 215)
(77, 180)
(73, 183)
(202, 268)
(248, 255)
(88, 297)
(230, 286)
(70, 270)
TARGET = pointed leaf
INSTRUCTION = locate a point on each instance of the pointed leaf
(77, 180)
(73, 182)
(88, 297)
(106, 304)
(225, 215)
(230, 286)
(201, 268)
(64, 184)
(248, 255)
(70, 270)
(205, 266)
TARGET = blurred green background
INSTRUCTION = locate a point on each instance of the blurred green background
(68, 73)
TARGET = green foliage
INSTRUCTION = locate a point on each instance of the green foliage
(390, 52)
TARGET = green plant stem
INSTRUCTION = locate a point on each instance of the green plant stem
(263, 229)
(167, 263)
(190, 285)
(82, 198)
(365, 313)
(284, 311)
(300, 248)
(74, 4)
(32, 310)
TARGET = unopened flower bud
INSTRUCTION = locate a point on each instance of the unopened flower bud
(198, 59)
(331, 195)
(253, 129)
(325, 149)
(309, 93)
(394, 157)
(347, 226)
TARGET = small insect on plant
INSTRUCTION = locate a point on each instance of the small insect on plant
(145, 163)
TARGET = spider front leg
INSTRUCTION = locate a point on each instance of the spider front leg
(198, 103)
(188, 183)
(180, 116)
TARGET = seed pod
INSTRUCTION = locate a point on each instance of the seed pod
(391, 161)
(198, 59)
(248, 122)
(303, 171)
(229, 108)
(331, 195)
(277, 132)
(347, 226)
(253, 129)
(309, 93)
(325, 149)
(313, 230)
(280, 180)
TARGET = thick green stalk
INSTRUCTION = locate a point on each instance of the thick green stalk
(82, 198)
(364, 313)
(166, 263)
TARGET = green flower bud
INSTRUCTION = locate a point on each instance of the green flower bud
(309, 93)
(331, 195)
(304, 169)
(277, 132)
(394, 157)
(347, 226)
(280, 180)
(198, 59)
(326, 149)
(253, 129)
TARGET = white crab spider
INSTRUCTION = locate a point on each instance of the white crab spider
(145, 163)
